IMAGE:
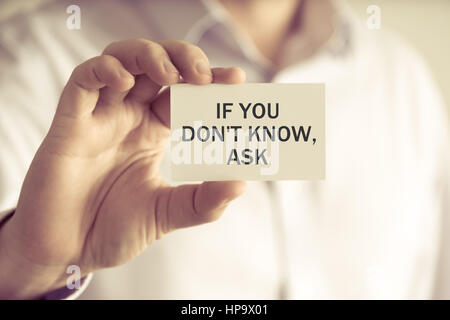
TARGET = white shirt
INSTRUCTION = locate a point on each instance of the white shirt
(372, 229)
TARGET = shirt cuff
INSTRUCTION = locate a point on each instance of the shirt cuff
(4, 215)
(69, 294)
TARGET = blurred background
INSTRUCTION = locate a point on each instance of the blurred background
(425, 24)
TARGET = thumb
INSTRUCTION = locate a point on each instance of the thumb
(194, 204)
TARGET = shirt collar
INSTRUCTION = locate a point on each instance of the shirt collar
(181, 18)
(191, 20)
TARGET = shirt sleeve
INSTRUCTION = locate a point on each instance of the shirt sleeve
(434, 138)
(69, 294)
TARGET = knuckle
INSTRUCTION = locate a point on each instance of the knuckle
(106, 61)
(190, 51)
(80, 76)
(143, 40)
(78, 69)
(149, 49)
(110, 47)
(82, 70)
(105, 65)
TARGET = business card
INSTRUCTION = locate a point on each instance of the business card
(252, 131)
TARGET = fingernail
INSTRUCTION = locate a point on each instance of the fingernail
(169, 67)
(202, 67)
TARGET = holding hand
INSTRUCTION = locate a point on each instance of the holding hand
(94, 195)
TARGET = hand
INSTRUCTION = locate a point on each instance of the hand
(93, 195)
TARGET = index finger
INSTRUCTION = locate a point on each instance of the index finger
(141, 56)
(161, 105)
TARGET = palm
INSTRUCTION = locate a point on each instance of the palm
(122, 208)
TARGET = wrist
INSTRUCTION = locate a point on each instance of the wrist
(20, 279)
